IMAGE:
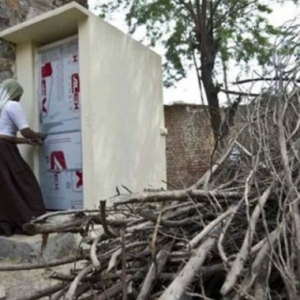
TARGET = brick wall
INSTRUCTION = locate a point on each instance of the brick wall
(189, 143)
(13, 12)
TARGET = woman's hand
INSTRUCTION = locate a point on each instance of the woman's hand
(42, 136)
(38, 140)
(32, 135)
(35, 142)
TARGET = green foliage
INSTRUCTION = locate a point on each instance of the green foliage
(240, 27)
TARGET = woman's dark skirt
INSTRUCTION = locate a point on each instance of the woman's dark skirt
(20, 195)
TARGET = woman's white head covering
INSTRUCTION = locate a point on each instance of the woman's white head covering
(10, 89)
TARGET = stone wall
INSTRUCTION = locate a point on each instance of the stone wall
(189, 143)
(13, 12)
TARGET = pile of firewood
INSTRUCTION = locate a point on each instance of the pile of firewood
(234, 234)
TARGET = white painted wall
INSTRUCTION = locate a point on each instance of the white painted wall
(122, 121)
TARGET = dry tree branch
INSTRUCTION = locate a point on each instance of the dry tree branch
(113, 260)
(123, 264)
(262, 79)
(263, 255)
(155, 271)
(107, 231)
(240, 260)
(179, 285)
(54, 263)
(211, 226)
(74, 285)
(180, 195)
(46, 292)
(93, 255)
(239, 93)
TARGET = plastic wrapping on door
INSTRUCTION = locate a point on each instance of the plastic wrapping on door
(59, 111)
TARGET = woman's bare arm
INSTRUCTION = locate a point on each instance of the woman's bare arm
(32, 135)
(18, 140)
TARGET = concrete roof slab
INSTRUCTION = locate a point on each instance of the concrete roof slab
(48, 27)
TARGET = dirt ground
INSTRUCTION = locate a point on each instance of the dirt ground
(19, 285)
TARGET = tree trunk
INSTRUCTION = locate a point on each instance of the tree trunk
(13, 12)
(213, 102)
(208, 56)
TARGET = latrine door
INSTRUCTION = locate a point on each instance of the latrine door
(59, 109)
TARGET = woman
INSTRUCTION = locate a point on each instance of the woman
(20, 195)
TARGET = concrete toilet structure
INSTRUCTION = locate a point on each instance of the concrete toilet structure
(97, 94)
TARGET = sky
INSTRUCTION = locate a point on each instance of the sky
(187, 90)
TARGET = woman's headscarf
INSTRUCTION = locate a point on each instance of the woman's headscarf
(10, 89)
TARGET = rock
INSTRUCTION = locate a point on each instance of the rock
(23, 248)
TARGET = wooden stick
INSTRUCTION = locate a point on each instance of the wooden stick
(113, 291)
(168, 223)
(66, 226)
(61, 293)
(240, 260)
(123, 265)
(93, 254)
(82, 212)
(45, 292)
(54, 263)
(83, 273)
(107, 231)
(181, 195)
(197, 239)
(258, 262)
(113, 260)
(178, 287)
(239, 93)
(263, 79)
(154, 271)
